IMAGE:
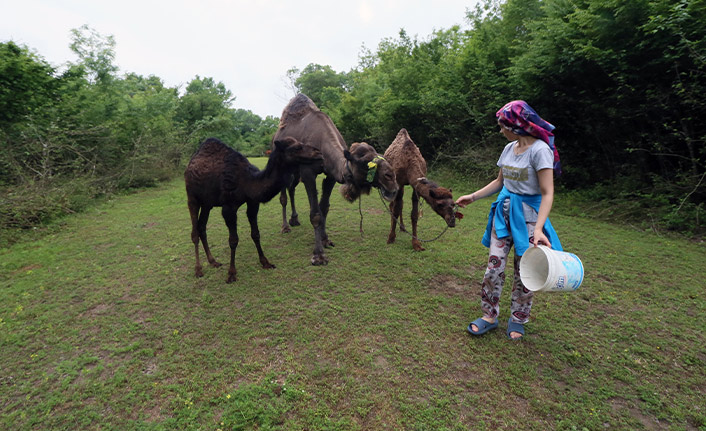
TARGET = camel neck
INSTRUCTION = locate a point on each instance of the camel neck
(269, 181)
(415, 174)
(338, 169)
(422, 188)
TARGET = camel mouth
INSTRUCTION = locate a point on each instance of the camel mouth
(451, 218)
(388, 195)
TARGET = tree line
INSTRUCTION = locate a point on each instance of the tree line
(69, 136)
(622, 81)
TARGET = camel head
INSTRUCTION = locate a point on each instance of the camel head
(442, 202)
(297, 153)
(366, 169)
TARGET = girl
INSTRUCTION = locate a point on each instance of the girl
(520, 214)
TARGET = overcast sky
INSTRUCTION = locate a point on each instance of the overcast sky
(247, 44)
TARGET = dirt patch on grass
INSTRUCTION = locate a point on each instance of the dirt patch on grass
(376, 211)
(95, 311)
(26, 269)
(150, 369)
(155, 414)
(449, 285)
(648, 422)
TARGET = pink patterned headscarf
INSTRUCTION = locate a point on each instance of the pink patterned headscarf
(521, 119)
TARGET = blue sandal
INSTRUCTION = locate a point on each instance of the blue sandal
(482, 325)
(515, 327)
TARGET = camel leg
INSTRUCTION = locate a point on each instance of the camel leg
(396, 210)
(416, 244)
(198, 232)
(283, 201)
(230, 215)
(315, 216)
(324, 205)
(253, 209)
(195, 236)
(399, 216)
(203, 220)
(402, 227)
(294, 220)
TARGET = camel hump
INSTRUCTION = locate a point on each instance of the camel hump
(403, 139)
(212, 143)
(211, 146)
(403, 134)
(298, 107)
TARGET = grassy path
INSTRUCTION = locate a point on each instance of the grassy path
(104, 326)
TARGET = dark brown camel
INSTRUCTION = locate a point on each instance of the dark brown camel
(302, 120)
(218, 176)
(411, 169)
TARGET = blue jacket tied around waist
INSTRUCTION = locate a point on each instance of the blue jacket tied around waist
(518, 226)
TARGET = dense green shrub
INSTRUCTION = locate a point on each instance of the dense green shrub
(621, 81)
(66, 138)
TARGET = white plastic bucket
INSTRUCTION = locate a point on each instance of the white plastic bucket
(544, 269)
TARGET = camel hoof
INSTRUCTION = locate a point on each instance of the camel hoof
(231, 278)
(285, 229)
(268, 265)
(319, 260)
(417, 247)
(294, 222)
(216, 264)
(391, 240)
(198, 272)
(327, 244)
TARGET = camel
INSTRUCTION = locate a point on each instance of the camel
(411, 169)
(217, 176)
(358, 169)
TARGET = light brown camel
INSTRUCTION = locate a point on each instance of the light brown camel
(218, 176)
(411, 169)
(302, 120)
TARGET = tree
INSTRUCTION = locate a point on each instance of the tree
(95, 52)
(254, 134)
(317, 81)
(205, 110)
(28, 90)
(27, 83)
(631, 73)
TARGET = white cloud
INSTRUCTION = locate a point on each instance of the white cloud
(365, 12)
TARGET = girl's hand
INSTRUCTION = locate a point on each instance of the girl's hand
(465, 200)
(540, 238)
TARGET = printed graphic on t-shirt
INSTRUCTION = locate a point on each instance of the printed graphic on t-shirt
(515, 174)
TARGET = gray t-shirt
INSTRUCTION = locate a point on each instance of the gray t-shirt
(520, 171)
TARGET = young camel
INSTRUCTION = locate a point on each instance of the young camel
(411, 169)
(217, 176)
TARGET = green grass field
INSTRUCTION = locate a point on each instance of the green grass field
(103, 326)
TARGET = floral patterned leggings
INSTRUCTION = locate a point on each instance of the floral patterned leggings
(494, 279)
